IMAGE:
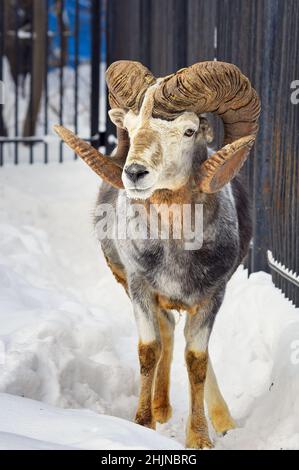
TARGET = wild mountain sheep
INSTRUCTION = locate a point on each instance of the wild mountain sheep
(162, 159)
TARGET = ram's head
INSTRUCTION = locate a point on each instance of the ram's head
(159, 122)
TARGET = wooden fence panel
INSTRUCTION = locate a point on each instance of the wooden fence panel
(243, 29)
(284, 227)
(123, 30)
(164, 35)
(261, 37)
(201, 22)
(168, 36)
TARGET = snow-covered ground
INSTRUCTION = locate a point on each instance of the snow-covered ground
(68, 359)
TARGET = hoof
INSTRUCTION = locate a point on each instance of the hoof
(221, 420)
(197, 440)
(162, 414)
(147, 422)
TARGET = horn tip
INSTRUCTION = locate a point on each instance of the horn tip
(58, 129)
(63, 132)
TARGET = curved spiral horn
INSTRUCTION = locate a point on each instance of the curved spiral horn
(219, 88)
(107, 168)
(127, 83)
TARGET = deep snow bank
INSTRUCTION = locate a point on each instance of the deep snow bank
(29, 424)
(68, 338)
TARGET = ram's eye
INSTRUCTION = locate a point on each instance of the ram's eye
(189, 132)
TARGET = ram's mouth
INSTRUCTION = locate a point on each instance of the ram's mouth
(139, 193)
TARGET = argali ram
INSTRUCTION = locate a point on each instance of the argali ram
(162, 158)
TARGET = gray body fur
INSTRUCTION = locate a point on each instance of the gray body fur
(164, 266)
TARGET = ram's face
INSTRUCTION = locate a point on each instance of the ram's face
(161, 151)
(160, 155)
(163, 120)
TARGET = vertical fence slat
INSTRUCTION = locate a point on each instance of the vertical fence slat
(2, 125)
(76, 66)
(201, 23)
(46, 84)
(17, 58)
(61, 69)
(95, 71)
(29, 117)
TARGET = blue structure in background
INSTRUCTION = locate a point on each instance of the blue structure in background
(84, 29)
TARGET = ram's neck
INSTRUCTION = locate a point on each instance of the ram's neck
(166, 196)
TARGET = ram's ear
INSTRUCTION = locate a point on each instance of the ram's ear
(117, 116)
(205, 128)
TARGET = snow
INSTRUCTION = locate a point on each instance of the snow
(68, 358)
(78, 429)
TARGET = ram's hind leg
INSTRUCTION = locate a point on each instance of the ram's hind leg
(217, 408)
(161, 405)
(197, 332)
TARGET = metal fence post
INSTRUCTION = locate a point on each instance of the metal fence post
(95, 71)
(2, 126)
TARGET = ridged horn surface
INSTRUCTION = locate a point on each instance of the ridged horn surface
(219, 88)
(127, 83)
(104, 166)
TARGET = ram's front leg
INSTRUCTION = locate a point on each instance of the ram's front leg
(161, 405)
(197, 333)
(149, 348)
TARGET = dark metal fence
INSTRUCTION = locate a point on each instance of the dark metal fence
(261, 37)
(50, 54)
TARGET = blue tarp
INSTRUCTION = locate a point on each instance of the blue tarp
(84, 29)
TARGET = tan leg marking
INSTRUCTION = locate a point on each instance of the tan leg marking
(217, 408)
(118, 272)
(149, 355)
(170, 304)
(197, 429)
(161, 406)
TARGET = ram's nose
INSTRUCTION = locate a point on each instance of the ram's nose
(136, 172)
